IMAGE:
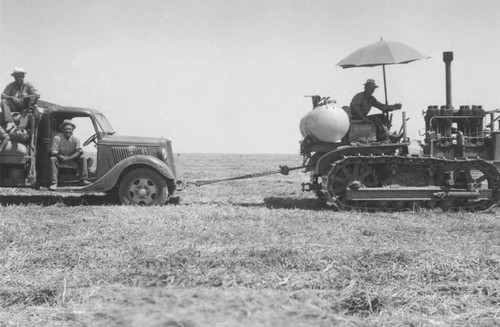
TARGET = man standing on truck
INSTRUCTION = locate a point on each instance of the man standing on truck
(66, 149)
(361, 105)
(14, 96)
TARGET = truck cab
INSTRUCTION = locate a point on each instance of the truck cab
(138, 170)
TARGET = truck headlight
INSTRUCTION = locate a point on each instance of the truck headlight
(162, 154)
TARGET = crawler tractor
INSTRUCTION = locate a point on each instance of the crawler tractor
(455, 167)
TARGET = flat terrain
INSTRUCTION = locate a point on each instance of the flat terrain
(256, 252)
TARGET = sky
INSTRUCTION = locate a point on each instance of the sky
(229, 76)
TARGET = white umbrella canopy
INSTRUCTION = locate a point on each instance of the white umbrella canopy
(382, 53)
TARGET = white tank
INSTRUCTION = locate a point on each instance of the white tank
(325, 123)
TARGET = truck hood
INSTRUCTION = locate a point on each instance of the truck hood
(132, 140)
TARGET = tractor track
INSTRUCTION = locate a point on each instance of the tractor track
(455, 176)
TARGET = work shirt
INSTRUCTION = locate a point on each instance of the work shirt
(26, 89)
(361, 105)
(66, 147)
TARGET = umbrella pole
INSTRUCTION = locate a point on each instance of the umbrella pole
(387, 116)
(385, 85)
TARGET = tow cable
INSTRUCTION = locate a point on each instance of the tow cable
(283, 170)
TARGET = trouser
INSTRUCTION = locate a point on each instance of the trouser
(3, 134)
(54, 168)
(380, 126)
(4, 138)
(8, 107)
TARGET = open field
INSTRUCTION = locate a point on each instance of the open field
(255, 252)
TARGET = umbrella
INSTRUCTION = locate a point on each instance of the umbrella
(382, 53)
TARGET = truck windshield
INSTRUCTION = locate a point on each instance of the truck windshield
(103, 123)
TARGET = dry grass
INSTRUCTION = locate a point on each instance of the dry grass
(246, 253)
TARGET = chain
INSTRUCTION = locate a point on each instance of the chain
(284, 170)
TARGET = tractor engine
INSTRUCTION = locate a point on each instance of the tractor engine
(460, 133)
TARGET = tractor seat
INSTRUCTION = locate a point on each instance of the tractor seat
(360, 131)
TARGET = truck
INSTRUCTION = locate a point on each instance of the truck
(135, 170)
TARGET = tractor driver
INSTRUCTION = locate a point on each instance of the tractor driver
(13, 97)
(361, 105)
(66, 149)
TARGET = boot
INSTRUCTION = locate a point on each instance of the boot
(394, 138)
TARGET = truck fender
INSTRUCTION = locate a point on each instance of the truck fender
(109, 180)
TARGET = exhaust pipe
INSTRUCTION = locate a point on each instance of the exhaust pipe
(448, 58)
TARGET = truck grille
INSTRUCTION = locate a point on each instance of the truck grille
(122, 152)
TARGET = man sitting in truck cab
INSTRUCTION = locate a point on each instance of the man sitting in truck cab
(361, 105)
(13, 98)
(66, 148)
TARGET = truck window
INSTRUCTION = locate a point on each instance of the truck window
(104, 124)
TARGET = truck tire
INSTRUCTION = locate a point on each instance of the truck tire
(144, 187)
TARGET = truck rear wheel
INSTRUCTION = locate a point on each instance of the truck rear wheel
(143, 187)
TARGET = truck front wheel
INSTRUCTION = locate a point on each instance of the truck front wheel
(143, 187)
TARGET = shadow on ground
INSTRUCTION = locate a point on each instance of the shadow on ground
(289, 203)
(106, 199)
(49, 200)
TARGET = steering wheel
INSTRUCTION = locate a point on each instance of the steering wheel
(90, 139)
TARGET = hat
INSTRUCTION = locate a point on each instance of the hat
(18, 71)
(66, 122)
(371, 82)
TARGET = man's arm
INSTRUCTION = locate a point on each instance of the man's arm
(31, 90)
(5, 96)
(11, 98)
(385, 107)
(78, 150)
(8, 93)
(32, 93)
(76, 155)
(55, 149)
(54, 152)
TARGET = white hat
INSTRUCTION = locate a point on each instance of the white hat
(18, 71)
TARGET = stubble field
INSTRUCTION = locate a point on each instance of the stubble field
(255, 252)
